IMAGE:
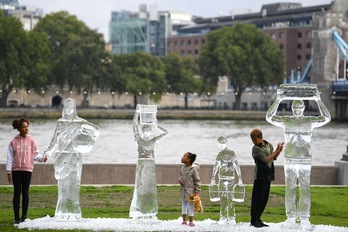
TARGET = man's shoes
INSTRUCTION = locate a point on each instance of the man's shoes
(263, 224)
(23, 218)
(257, 224)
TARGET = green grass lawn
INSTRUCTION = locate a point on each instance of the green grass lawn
(329, 204)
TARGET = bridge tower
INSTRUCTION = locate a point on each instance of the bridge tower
(329, 67)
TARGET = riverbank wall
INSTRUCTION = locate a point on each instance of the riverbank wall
(124, 174)
(198, 114)
(100, 113)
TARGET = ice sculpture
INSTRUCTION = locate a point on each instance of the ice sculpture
(72, 137)
(297, 154)
(144, 201)
(227, 190)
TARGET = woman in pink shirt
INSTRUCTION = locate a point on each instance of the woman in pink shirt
(21, 153)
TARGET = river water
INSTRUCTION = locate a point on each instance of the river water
(117, 146)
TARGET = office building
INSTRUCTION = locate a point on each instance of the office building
(145, 30)
(288, 24)
(29, 16)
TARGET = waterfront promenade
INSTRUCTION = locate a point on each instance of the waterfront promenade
(52, 113)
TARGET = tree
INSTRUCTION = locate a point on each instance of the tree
(180, 75)
(115, 81)
(78, 53)
(246, 55)
(38, 64)
(144, 74)
(23, 58)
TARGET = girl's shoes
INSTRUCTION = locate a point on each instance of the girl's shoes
(189, 224)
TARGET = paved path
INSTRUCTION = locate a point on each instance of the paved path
(129, 113)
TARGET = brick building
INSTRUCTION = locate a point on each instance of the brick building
(289, 25)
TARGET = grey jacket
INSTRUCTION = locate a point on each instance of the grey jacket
(192, 181)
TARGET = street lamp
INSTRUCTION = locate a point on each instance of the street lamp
(113, 99)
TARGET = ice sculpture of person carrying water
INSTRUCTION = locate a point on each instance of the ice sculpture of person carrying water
(297, 154)
(144, 201)
(72, 137)
(228, 190)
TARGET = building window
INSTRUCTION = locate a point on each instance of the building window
(281, 35)
(203, 41)
(309, 34)
(281, 46)
(182, 42)
(308, 56)
(299, 57)
(299, 46)
(196, 51)
(182, 52)
(189, 42)
(175, 43)
(308, 45)
(196, 41)
(299, 35)
(273, 36)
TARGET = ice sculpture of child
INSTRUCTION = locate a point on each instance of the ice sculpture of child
(227, 169)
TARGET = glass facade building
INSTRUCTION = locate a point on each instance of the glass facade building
(145, 30)
(128, 34)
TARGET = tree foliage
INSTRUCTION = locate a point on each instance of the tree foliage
(38, 64)
(246, 55)
(180, 75)
(78, 53)
(23, 58)
(143, 75)
(115, 81)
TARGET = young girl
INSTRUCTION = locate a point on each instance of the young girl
(21, 153)
(190, 184)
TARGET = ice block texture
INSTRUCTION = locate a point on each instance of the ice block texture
(73, 136)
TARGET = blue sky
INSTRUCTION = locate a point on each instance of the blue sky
(96, 13)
